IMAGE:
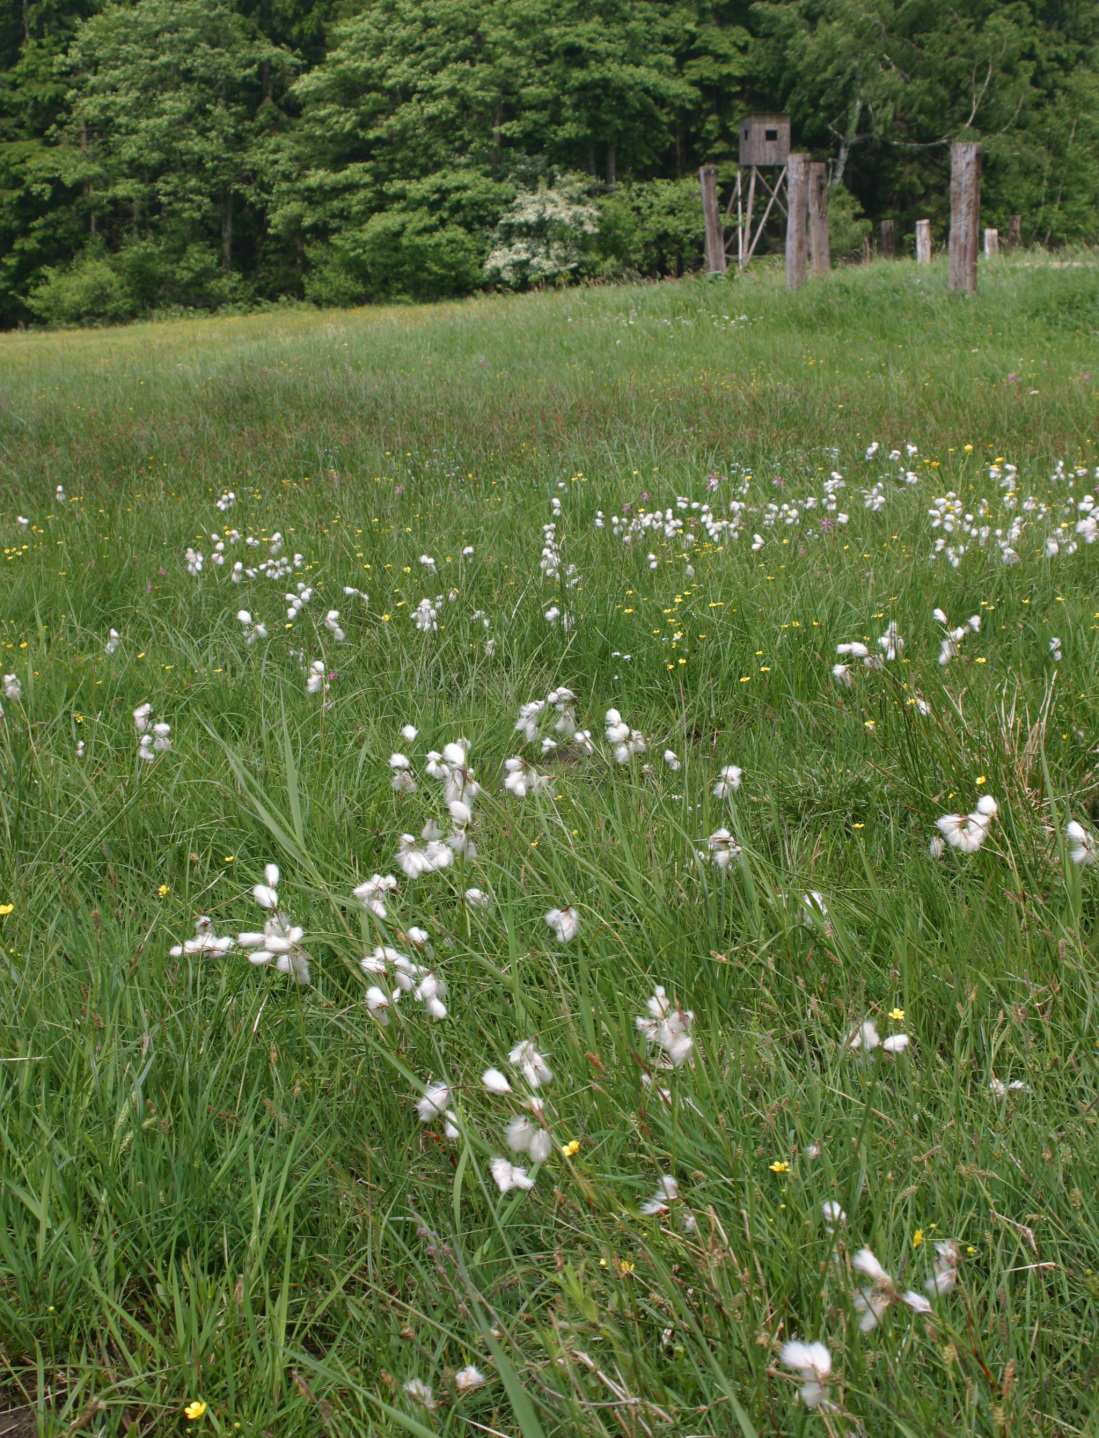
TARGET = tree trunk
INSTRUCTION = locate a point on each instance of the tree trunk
(888, 243)
(227, 232)
(612, 164)
(847, 141)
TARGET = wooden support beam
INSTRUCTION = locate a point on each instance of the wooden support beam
(965, 211)
(923, 242)
(888, 244)
(715, 235)
(797, 219)
(1015, 231)
(992, 244)
(820, 257)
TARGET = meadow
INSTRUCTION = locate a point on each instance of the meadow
(547, 877)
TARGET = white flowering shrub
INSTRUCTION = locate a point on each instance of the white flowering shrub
(544, 236)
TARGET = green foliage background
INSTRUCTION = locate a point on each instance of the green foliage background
(167, 155)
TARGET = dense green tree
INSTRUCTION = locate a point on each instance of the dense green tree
(38, 222)
(163, 113)
(160, 152)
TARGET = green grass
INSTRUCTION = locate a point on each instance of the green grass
(216, 1184)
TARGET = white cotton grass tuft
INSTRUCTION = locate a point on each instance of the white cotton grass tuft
(280, 941)
(252, 629)
(421, 1393)
(872, 1302)
(812, 1362)
(728, 781)
(372, 894)
(1084, 849)
(525, 1136)
(435, 1103)
(564, 922)
(968, 832)
(833, 1214)
(402, 780)
(667, 1200)
(531, 1063)
(866, 1039)
(721, 850)
(667, 1028)
(624, 741)
(396, 975)
(468, 1380)
(508, 1176)
(205, 941)
(944, 1277)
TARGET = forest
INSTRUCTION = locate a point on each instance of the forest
(165, 156)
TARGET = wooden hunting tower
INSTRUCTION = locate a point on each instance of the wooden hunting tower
(764, 140)
(764, 145)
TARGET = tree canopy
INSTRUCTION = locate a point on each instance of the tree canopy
(158, 153)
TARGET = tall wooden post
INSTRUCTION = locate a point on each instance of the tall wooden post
(965, 210)
(992, 244)
(797, 214)
(1015, 231)
(888, 239)
(923, 242)
(715, 235)
(820, 256)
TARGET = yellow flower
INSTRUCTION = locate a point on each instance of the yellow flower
(570, 1149)
(163, 891)
(981, 779)
(625, 1267)
(195, 1410)
(6, 909)
(897, 1015)
(779, 1166)
(229, 859)
(917, 1238)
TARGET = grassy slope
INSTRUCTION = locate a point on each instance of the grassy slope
(218, 1186)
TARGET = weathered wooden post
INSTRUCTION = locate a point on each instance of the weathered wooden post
(888, 239)
(715, 234)
(1015, 232)
(797, 212)
(992, 244)
(965, 210)
(923, 242)
(820, 255)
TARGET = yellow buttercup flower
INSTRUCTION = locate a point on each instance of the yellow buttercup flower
(6, 909)
(897, 1015)
(571, 1149)
(195, 1410)
(779, 1166)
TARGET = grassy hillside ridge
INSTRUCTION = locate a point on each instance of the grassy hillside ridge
(220, 1190)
